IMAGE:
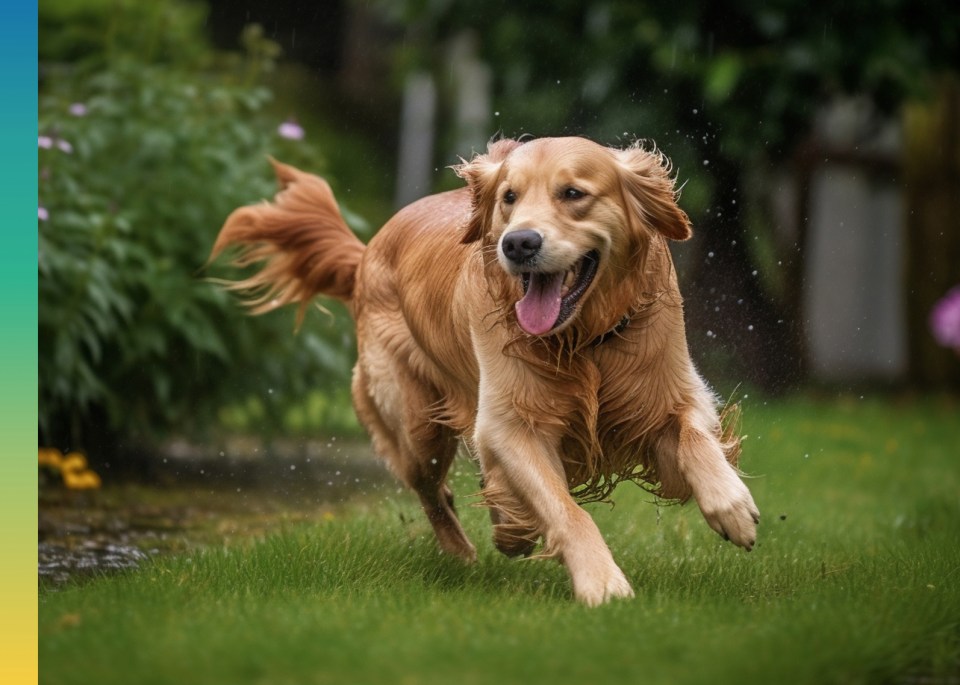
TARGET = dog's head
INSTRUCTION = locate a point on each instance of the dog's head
(566, 223)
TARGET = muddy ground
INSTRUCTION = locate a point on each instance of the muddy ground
(189, 497)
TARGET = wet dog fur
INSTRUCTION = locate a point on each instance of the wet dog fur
(533, 315)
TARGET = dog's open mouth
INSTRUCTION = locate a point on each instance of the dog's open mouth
(549, 299)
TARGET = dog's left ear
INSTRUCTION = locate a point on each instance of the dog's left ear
(651, 193)
(481, 175)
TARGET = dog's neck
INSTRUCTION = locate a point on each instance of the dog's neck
(616, 330)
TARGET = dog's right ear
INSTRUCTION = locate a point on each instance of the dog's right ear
(481, 174)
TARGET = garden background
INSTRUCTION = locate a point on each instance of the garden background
(818, 150)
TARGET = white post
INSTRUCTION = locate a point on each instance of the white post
(415, 159)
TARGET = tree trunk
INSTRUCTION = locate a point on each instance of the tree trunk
(932, 200)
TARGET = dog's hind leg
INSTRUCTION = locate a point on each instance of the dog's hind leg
(434, 449)
(419, 451)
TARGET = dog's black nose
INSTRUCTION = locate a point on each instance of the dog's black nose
(519, 246)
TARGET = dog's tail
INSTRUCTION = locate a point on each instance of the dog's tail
(300, 242)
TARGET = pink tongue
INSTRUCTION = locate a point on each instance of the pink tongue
(539, 309)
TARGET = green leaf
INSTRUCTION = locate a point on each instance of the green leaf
(721, 77)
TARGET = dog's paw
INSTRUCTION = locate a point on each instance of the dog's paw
(596, 589)
(731, 512)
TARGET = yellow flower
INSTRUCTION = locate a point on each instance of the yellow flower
(72, 467)
(74, 462)
(81, 480)
(50, 457)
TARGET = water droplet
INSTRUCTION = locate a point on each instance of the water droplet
(710, 254)
(293, 467)
(750, 327)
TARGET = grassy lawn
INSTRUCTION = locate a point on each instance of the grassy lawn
(855, 579)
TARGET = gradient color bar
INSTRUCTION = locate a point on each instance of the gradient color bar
(18, 343)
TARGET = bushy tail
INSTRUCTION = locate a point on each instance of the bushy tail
(300, 242)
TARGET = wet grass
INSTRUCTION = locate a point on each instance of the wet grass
(854, 580)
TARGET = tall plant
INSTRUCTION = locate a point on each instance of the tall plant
(144, 148)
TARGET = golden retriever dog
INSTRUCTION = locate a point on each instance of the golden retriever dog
(533, 315)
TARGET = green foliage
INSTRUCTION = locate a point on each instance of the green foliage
(100, 30)
(141, 160)
(753, 71)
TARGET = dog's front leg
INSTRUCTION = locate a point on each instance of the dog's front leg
(723, 498)
(526, 464)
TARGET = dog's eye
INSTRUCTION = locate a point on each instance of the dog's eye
(572, 193)
(509, 197)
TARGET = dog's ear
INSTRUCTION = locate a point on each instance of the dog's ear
(481, 174)
(650, 191)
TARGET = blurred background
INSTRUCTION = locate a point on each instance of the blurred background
(817, 146)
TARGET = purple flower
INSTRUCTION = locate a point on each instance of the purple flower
(290, 130)
(78, 109)
(945, 319)
(42, 213)
(47, 142)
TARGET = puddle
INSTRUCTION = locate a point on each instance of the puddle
(57, 564)
(186, 501)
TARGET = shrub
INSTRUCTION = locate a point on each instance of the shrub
(140, 163)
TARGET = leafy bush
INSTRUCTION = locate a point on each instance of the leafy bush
(140, 163)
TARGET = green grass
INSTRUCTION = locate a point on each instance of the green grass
(854, 580)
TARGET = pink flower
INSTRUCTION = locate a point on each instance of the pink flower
(78, 109)
(945, 319)
(47, 142)
(290, 130)
(42, 213)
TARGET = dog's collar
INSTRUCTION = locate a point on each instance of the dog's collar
(616, 330)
